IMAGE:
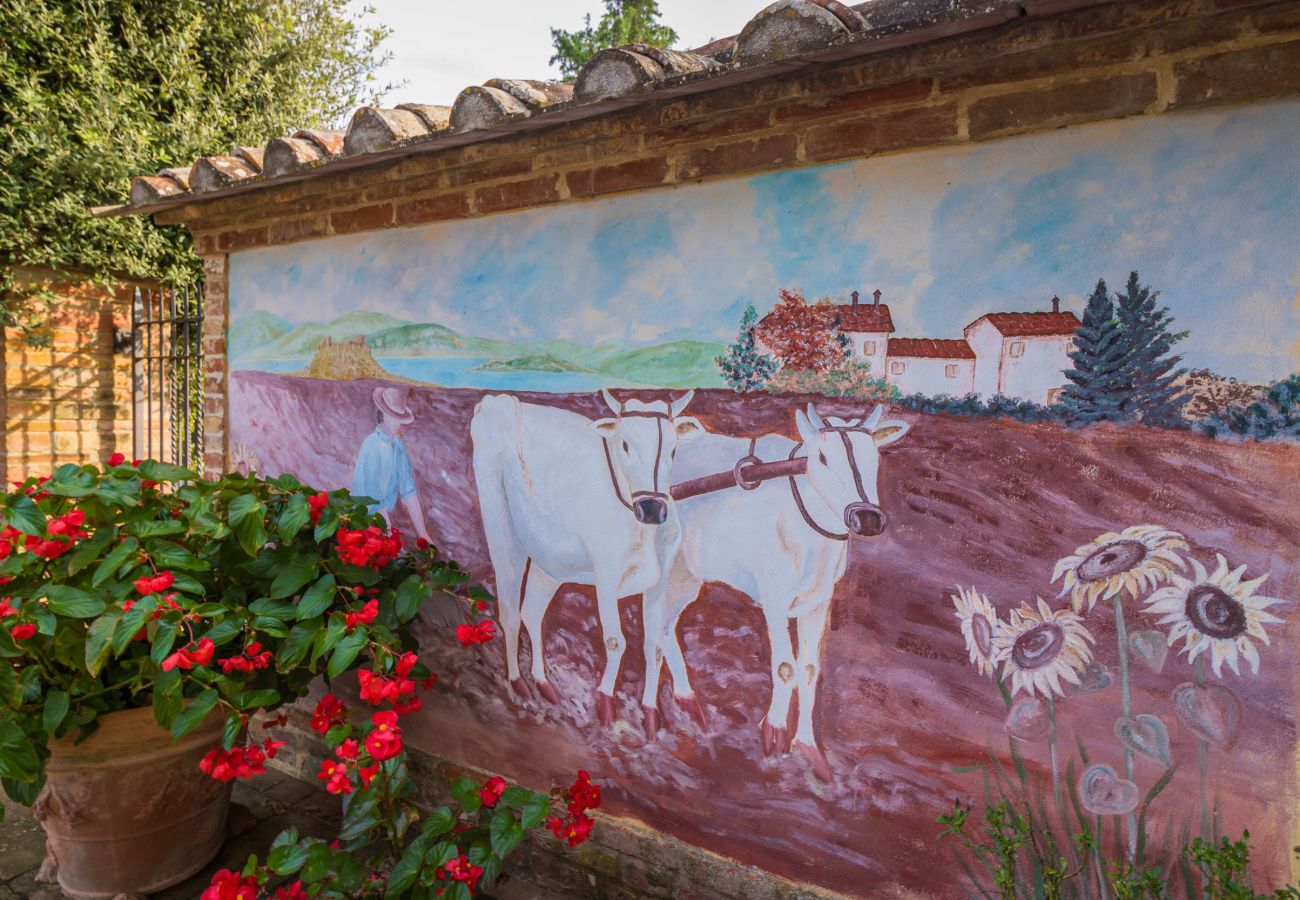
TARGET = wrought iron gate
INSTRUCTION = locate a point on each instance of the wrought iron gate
(167, 374)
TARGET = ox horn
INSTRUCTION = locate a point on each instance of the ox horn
(611, 401)
(815, 418)
(676, 407)
(871, 421)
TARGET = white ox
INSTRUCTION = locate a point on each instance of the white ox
(566, 499)
(785, 544)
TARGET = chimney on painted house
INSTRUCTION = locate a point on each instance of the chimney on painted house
(854, 295)
(877, 296)
(1056, 304)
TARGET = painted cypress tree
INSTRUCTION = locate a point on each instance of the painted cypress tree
(1098, 388)
(1150, 366)
(745, 367)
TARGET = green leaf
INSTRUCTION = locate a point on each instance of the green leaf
(23, 792)
(505, 831)
(153, 470)
(72, 602)
(168, 555)
(194, 714)
(11, 691)
(317, 598)
(295, 514)
(327, 525)
(273, 627)
(86, 552)
(408, 867)
(441, 852)
(346, 652)
(18, 757)
(23, 514)
(295, 646)
(166, 698)
(231, 729)
(536, 811)
(132, 621)
(156, 527)
(411, 594)
(515, 796)
(99, 640)
(245, 513)
(257, 699)
(438, 822)
(56, 710)
(275, 609)
(457, 890)
(465, 792)
(287, 858)
(164, 639)
(111, 563)
(291, 578)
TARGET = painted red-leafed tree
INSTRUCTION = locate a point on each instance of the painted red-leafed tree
(803, 335)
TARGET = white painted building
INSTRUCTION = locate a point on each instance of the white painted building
(1022, 355)
(931, 367)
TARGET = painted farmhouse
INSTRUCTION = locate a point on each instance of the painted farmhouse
(1021, 355)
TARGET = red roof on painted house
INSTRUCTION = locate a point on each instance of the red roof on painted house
(1030, 324)
(865, 317)
(930, 348)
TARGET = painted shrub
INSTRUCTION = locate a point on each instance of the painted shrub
(658, 482)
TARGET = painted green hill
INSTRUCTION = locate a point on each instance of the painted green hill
(247, 333)
(430, 339)
(675, 364)
(531, 362)
(304, 339)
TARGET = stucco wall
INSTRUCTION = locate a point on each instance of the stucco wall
(930, 376)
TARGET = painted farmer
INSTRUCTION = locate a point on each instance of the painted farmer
(383, 469)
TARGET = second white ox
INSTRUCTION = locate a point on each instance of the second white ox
(566, 499)
(785, 544)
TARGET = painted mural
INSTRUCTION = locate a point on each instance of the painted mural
(832, 509)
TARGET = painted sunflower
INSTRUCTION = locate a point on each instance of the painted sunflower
(1040, 648)
(979, 622)
(1217, 612)
(1139, 558)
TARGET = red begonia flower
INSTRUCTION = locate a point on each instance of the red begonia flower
(492, 790)
(23, 632)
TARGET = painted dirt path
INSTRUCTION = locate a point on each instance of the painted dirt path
(993, 504)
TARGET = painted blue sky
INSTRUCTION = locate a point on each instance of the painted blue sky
(1206, 207)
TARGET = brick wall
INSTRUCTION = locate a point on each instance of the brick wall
(71, 400)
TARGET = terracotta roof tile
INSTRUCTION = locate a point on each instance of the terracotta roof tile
(1030, 324)
(865, 317)
(929, 348)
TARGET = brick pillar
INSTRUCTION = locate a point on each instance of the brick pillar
(215, 316)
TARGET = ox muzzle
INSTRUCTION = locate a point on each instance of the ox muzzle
(864, 519)
(650, 509)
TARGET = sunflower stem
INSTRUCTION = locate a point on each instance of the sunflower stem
(1126, 702)
(1203, 762)
(1056, 766)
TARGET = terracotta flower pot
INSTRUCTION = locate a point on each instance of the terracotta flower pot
(127, 810)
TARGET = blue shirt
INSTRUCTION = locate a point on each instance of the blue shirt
(383, 471)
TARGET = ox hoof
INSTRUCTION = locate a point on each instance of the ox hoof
(548, 691)
(820, 764)
(521, 688)
(694, 708)
(651, 716)
(605, 708)
(775, 740)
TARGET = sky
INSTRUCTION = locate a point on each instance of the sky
(1205, 206)
(440, 47)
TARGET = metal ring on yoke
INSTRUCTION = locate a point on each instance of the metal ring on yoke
(738, 472)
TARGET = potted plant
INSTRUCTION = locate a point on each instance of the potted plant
(145, 616)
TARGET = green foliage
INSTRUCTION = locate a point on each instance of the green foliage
(84, 632)
(973, 406)
(1096, 391)
(1274, 415)
(1124, 366)
(96, 91)
(744, 366)
(848, 378)
(623, 22)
